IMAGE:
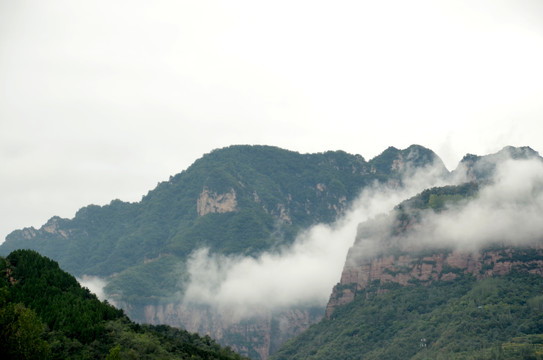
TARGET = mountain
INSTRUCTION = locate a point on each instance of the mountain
(478, 168)
(241, 199)
(238, 201)
(46, 314)
(455, 272)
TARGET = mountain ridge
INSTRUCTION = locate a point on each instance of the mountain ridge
(171, 207)
(240, 200)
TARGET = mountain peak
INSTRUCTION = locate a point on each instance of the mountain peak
(397, 163)
(476, 167)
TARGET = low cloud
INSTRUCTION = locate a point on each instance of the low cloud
(302, 274)
(509, 210)
(95, 284)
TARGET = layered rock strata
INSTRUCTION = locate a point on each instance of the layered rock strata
(406, 269)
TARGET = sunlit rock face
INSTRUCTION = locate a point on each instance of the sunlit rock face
(211, 202)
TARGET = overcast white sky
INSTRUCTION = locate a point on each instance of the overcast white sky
(103, 99)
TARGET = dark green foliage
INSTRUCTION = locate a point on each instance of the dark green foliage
(438, 198)
(463, 319)
(45, 314)
(57, 297)
(114, 353)
(162, 342)
(141, 281)
(21, 332)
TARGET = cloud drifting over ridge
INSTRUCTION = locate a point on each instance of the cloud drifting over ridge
(302, 274)
(95, 284)
(509, 210)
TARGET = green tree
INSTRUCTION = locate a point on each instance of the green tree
(114, 353)
(20, 333)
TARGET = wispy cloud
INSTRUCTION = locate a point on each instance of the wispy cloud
(509, 210)
(95, 284)
(506, 211)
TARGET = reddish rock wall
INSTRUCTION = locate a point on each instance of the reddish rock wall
(444, 266)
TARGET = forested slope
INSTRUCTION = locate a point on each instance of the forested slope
(46, 314)
(495, 318)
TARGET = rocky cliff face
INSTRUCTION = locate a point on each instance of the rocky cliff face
(408, 268)
(51, 228)
(211, 202)
(255, 337)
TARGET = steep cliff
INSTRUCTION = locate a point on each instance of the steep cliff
(408, 269)
(482, 228)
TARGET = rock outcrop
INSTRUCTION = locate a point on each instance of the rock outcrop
(53, 227)
(211, 202)
(406, 269)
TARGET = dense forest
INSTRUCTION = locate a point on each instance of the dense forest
(495, 318)
(46, 314)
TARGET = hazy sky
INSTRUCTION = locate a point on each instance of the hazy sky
(103, 99)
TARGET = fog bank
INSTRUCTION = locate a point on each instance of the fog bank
(509, 211)
(506, 211)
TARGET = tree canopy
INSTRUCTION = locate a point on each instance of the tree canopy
(46, 314)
